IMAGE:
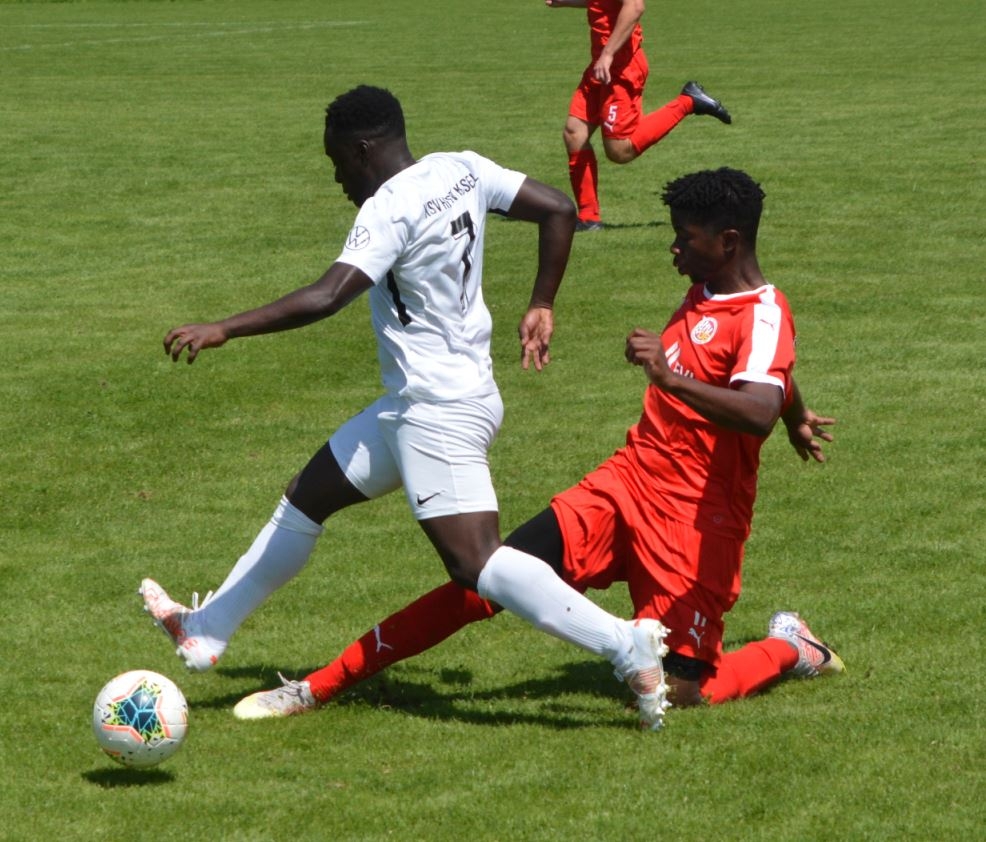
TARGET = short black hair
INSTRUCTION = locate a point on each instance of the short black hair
(365, 110)
(722, 198)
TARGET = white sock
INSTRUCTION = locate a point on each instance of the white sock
(276, 556)
(528, 587)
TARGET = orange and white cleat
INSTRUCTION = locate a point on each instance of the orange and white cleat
(814, 657)
(183, 625)
(644, 672)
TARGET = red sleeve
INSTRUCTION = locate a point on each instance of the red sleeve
(766, 349)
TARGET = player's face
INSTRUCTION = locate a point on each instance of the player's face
(351, 170)
(697, 249)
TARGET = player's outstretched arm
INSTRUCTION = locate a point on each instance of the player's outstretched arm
(555, 215)
(339, 285)
(805, 427)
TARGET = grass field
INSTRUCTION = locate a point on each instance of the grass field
(161, 163)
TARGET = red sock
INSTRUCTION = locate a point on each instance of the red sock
(424, 623)
(749, 670)
(583, 172)
(652, 127)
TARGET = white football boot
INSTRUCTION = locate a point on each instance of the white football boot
(183, 625)
(291, 698)
(643, 671)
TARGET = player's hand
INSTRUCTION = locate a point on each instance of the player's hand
(535, 337)
(645, 349)
(601, 69)
(194, 338)
(805, 433)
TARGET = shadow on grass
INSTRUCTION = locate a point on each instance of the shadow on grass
(607, 226)
(551, 701)
(120, 777)
(623, 226)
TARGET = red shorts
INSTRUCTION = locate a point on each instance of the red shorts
(617, 106)
(686, 578)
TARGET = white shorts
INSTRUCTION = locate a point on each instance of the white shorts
(437, 451)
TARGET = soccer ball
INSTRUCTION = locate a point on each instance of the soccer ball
(140, 718)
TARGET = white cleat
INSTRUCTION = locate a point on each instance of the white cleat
(814, 657)
(199, 651)
(291, 698)
(644, 672)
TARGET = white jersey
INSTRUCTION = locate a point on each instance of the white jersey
(419, 238)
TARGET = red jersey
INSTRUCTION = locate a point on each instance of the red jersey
(707, 475)
(602, 15)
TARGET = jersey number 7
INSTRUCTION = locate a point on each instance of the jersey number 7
(462, 226)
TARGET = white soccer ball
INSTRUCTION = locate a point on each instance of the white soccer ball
(140, 718)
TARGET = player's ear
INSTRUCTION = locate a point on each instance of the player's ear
(730, 239)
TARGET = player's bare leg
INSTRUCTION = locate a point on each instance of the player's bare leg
(619, 150)
(583, 172)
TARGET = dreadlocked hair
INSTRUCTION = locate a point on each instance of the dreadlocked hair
(365, 110)
(720, 199)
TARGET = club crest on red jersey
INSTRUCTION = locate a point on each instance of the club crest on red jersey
(704, 330)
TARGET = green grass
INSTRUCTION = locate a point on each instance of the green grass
(162, 163)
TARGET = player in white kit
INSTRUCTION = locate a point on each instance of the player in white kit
(416, 247)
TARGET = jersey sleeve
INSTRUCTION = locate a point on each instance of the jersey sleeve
(500, 185)
(375, 241)
(766, 350)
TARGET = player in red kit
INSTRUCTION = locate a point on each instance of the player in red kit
(670, 511)
(610, 95)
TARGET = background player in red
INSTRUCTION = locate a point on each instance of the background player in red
(610, 94)
(668, 513)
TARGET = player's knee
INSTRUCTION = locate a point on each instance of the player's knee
(620, 151)
(572, 144)
(575, 138)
